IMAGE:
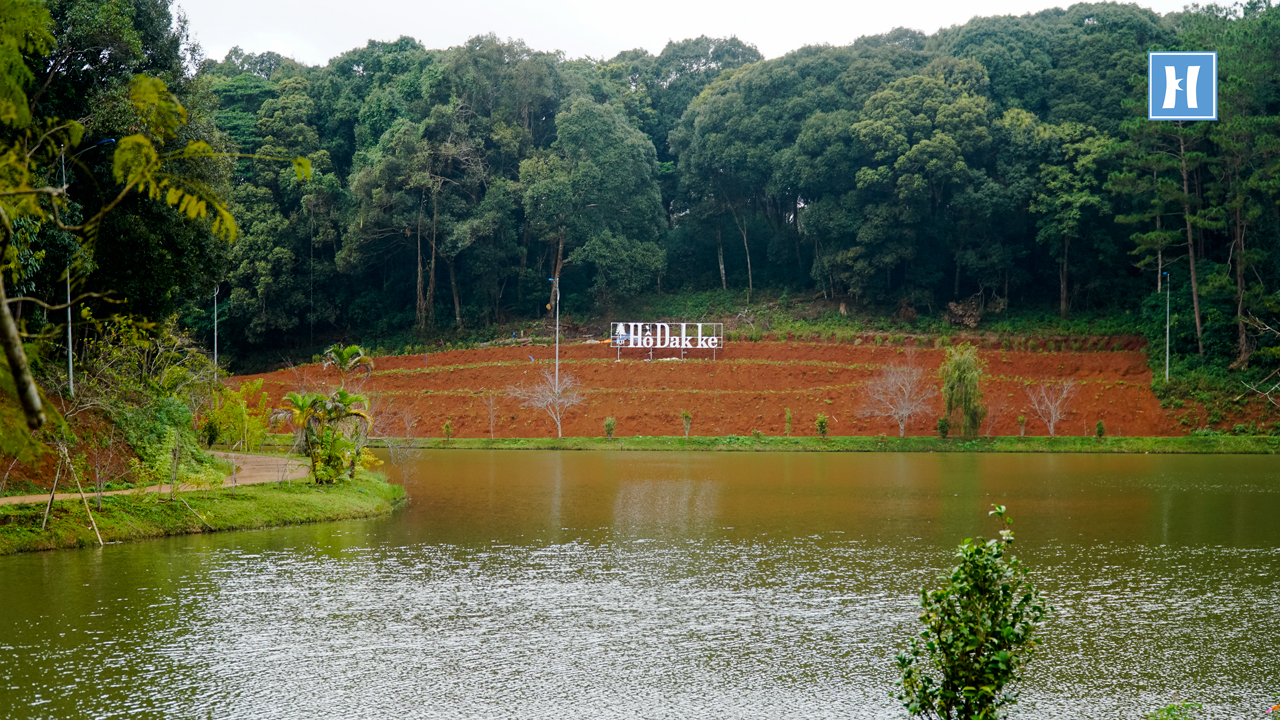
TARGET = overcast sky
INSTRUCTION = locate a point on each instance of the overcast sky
(313, 31)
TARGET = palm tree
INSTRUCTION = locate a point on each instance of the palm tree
(343, 412)
(347, 360)
(324, 427)
(306, 412)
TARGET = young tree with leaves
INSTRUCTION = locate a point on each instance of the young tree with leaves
(961, 374)
(980, 631)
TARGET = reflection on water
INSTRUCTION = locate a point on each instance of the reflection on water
(638, 585)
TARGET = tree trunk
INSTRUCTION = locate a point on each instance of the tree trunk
(430, 309)
(795, 232)
(1191, 245)
(173, 472)
(1063, 308)
(1195, 288)
(422, 298)
(742, 226)
(28, 393)
(453, 284)
(524, 263)
(724, 284)
(1242, 338)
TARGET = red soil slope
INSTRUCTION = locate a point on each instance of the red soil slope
(747, 388)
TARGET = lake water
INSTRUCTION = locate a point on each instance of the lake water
(664, 585)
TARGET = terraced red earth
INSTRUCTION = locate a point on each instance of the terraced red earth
(747, 388)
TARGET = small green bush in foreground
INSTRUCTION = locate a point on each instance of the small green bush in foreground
(981, 630)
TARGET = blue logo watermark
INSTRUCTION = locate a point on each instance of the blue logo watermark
(1183, 86)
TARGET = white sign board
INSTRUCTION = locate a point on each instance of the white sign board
(675, 336)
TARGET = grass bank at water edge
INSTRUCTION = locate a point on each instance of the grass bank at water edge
(135, 517)
(1225, 444)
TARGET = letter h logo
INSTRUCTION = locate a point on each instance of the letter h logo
(1182, 86)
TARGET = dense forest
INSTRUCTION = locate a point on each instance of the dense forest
(1006, 163)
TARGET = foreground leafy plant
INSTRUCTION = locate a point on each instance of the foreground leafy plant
(980, 632)
(1178, 710)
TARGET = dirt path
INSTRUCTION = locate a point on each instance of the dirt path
(254, 469)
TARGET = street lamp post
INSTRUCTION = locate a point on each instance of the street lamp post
(71, 379)
(556, 285)
(215, 329)
(1166, 327)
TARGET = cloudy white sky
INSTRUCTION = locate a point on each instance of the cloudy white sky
(313, 31)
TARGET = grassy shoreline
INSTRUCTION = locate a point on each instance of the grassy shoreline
(1217, 444)
(141, 516)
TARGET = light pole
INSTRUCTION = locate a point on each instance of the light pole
(555, 282)
(71, 379)
(215, 330)
(1166, 327)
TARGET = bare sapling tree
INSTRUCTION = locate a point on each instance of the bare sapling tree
(491, 404)
(71, 470)
(1050, 399)
(1270, 392)
(396, 426)
(176, 454)
(282, 474)
(101, 460)
(57, 475)
(901, 392)
(552, 395)
(997, 408)
(4, 482)
(302, 380)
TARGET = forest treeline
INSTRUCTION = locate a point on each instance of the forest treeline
(1007, 162)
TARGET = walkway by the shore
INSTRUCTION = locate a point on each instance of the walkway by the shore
(252, 470)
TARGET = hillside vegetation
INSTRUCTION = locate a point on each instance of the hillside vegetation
(998, 176)
(1005, 165)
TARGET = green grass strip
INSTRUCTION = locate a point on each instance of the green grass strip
(135, 517)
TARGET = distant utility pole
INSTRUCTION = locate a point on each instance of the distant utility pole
(556, 285)
(215, 329)
(71, 380)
